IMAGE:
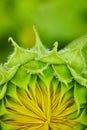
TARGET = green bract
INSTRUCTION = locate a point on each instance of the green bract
(58, 76)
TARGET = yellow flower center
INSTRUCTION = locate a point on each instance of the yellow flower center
(42, 109)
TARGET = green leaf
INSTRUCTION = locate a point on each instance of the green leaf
(47, 76)
(80, 127)
(2, 108)
(21, 78)
(55, 83)
(77, 41)
(32, 83)
(63, 73)
(80, 95)
(78, 77)
(84, 52)
(39, 47)
(4, 126)
(84, 73)
(35, 66)
(6, 74)
(66, 91)
(3, 89)
(52, 57)
(11, 91)
(74, 57)
(20, 55)
(83, 117)
(65, 88)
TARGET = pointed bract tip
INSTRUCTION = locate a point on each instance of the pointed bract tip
(38, 41)
(35, 31)
(55, 46)
(10, 39)
(38, 44)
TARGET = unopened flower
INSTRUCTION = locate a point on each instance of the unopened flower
(44, 90)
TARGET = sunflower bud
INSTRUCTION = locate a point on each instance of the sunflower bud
(43, 89)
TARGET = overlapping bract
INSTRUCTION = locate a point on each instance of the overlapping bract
(45, 87)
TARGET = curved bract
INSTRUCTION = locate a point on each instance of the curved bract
(44, 90)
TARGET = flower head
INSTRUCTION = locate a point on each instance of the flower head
(44, 90)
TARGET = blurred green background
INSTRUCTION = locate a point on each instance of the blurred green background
(55, 20)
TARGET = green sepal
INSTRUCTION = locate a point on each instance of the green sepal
(2, 108)
(74, 57)
(78, 77)
(68, 92)
(3, 89)
(32, 83)
(84, 73)
(80, 95)
(21, 78)
(35, 67)
(52, 57)
(47, 76)
(12, 91)
(83, 117)
(20, 55)
(33, 80)
(84, 52)
(4, 126)
(55, 83)
(65, 88)
(6, 74)
(63, 73)
(39, 47)
(77, 41)
(80, 127)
